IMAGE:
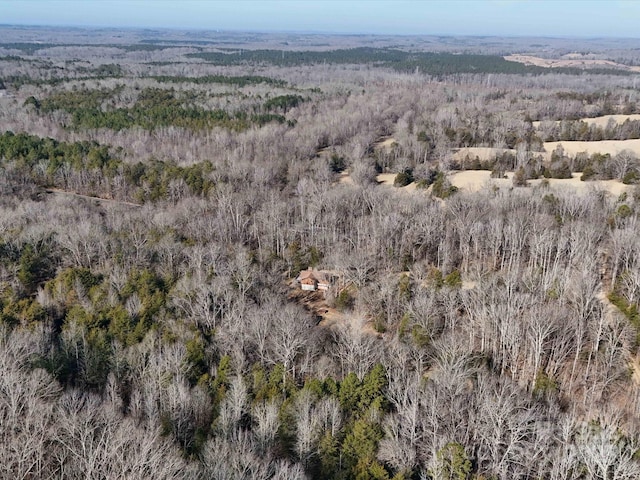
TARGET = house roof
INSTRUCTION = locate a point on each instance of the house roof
(313, 274)
(304, 274)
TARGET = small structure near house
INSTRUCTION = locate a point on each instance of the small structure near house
(312, 280)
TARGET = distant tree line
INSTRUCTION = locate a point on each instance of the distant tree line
(431, 63)
(154, 107)
(240, 81)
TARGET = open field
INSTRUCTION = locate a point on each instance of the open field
(602, 121)
(387, 179)
(476, 180)
(483, 153)
(565, 62)
(611, 147)
(471, 181)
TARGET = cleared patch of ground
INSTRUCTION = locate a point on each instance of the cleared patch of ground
(611, 147)
(328, 317)
(483, 153)
(634, 365)
(569, 61)
(314, 302)
(57, 191)
(475, 180)
(384, 142)
(601, 121)
(614, 187)
(345, 178)
(388, 179)
(469, 284)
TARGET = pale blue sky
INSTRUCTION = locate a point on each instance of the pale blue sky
(585, 18)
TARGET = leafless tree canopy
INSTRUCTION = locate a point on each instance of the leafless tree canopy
(157, 205)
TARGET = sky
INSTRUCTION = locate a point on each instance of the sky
(572, 18)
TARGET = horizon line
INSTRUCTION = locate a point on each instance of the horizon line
(314, 32)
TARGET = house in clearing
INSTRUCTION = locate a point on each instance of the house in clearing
(313, 279)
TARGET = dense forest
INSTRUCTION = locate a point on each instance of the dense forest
(157, 210)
